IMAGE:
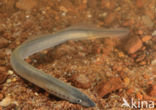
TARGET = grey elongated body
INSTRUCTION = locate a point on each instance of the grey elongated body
(47, 82)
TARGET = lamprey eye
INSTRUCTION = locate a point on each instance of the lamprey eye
(78, 100)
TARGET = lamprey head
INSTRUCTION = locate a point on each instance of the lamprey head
(81, 98)
(85, 101)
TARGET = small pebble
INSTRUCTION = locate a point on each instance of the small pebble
(146, 38)
(2, 69)
(139, 96)
(117, 68)
(89, 15)
(154, 33)
(152, 90)
(130, 91)
(133, 45)
(26, 4)
(14, 79)
(80, 80)
(108, 47)
(6, 101)
(153, 65)
(140, 58)
(8, 80)
(147, 21)
(10, 72)
(36, 93)
(143, 63)
(3, 78)
(110, 18)
(2, 54)
(64, 14)
(106, 87)
(108, 4)
(1, 96)
(103, 14)
(64, 9)
(140, 32)
(27, 16)
(3, 42)
(126, 81)
(140, 3)
(92, 4)
(8, 51)
(84, 1)
(3, 75)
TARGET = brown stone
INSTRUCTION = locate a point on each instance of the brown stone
(140, 3)
(108, 4)
(117, 68)
(6, 102)
(154, 38)
(2, 62)
(133, 45)
(143, 63)
(26, 4)
(153, 69)
(106, 87)
(108, 47)
(146, 38)
(110, 18)
(152, 90)
(154, 46)
(80, 80)
(147, 21)
(3, 77)
(28, 24)
(92, 4)
(140, 58)
(154, 42)
(2, 69)
(3, 42)
(2, 54)
(3, 74)
(1, 96)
